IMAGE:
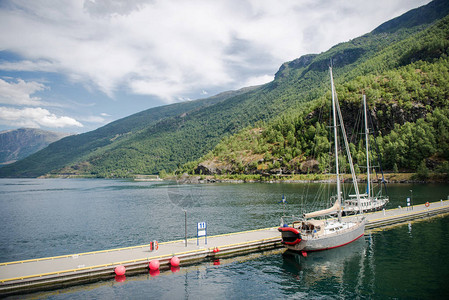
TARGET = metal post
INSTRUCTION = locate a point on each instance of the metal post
(185, 225)
(411, 197)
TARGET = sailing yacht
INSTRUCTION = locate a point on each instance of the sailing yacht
(368, 201)
(318, 230)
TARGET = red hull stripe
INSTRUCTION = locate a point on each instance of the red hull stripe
(338, 245)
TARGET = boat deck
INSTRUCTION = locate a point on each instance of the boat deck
(53, 272)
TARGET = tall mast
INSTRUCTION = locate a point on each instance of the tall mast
(348, 153)
(368, 180)
(334, 112)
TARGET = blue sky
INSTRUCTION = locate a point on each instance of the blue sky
(75, 65)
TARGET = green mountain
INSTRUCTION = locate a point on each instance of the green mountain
(75, 152)
(20, 143)
(407, 87)
(167, 137)
(408, 108)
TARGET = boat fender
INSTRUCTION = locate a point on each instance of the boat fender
(154, 265)
(427, 204)
(120, 270)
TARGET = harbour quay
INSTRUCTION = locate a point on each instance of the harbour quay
(32, 275)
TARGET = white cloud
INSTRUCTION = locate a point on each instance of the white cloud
(27, 65)
(258, 80)
(112, 7)
(101, 119)
(35, 118)
(172, 48)
(19, 93)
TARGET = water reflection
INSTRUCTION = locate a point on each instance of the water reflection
(324, 265)
(72, 216)
(120, 278)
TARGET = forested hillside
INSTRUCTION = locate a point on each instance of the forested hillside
(407, 87)
(75, 150)
(167, 137)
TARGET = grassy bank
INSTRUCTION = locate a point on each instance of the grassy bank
(389, 178)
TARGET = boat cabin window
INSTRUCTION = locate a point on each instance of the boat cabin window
(336, 228)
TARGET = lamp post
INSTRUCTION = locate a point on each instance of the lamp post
(185, 225)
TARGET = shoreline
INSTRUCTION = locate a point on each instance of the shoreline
(249, 178)
(314, 178)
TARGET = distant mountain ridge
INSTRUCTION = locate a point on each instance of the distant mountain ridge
(19, 143)
(165, 138)
(78, 148)
(420, 16)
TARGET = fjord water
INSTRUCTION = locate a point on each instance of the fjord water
(51, 217)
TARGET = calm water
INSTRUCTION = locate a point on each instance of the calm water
(54, 217)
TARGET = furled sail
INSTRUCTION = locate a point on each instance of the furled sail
(334, 209)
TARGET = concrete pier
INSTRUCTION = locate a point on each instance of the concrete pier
(404, 214)
(53, 272)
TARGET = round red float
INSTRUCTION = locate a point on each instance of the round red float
(174, 261)
(120, 270)
(154, 265)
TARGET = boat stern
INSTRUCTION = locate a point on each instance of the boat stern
(290, 236)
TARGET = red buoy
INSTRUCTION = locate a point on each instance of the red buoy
(304, 253)
(174, 261)
(154, 265)
(120, 270)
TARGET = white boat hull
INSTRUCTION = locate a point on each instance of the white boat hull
(367, 204)
(350, 232)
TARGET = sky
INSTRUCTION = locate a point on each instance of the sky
(76, 65)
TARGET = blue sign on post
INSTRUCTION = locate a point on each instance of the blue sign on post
(201, 230)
